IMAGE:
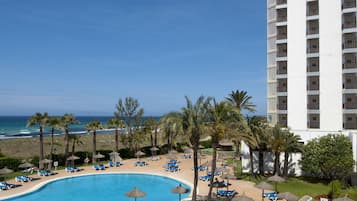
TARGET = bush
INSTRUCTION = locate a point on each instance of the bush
(329, 157)
(335, 189)
(11, 163)
(206, 144)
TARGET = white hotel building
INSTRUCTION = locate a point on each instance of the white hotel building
(312, 67)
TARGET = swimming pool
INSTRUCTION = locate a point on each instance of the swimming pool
(106, 187)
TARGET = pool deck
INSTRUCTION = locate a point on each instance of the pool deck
(185, 175)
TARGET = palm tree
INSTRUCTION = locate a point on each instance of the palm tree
(40, 120)
(129, 111)
(66, 121)
(76, 140)
(277, 145)
(258, 130)
(222, 119)
(291, 145)
(94, 126)
(117, 124)
(54, 123)
(171, 125)
(194, 119)
(242, 101)
(152, 125)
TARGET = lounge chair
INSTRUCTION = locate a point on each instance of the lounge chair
(225, 193)
(45, 173)
(187, 156)
(4, 185)
(271, 195)
(216, 173)
(201, 168)
(101, 167)
(96, 167)
(140, 163)
(118, 164)
(110, 164)
(23, 179)
(205, 177)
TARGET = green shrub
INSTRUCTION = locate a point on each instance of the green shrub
(206, 144)
(11, 163)
(335, 188)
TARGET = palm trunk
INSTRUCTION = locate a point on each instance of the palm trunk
(41, 143)
(155, 137)
(277, 164)
(52, 142)
(116, 140)
(151, 140)
(213, 169)
(73, 147)
(261, 162)
(66, 142)
(94, 145)
(238, 149)
(286, 163)
(251, 161)
(195, 170)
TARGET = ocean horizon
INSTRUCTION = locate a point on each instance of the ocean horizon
(15, 126)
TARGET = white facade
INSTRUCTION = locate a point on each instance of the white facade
(312, 67)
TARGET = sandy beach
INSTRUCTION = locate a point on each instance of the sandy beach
(155, 167)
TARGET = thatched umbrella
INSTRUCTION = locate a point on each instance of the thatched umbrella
(154, 150)
(179, 190)
(73, 158)
(135, 193)
(343, 199)
(243, 198)
(187, 150)
(139, 154)
(98, 156)
(171, 157)
(264, 186)
(276, 179)
(288, 196)
(5, 170)
(26, 165)
(173, 151)
(114, 156)
(45, 161)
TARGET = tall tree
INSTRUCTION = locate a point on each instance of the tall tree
(39, 120)
(292, 145)
(117, 124)
(94, 126)
(76, 140)
(194, 119)
(171, 125)
(259, 133)
(152, 126)
(54, 123)
(222, 119)
(66, 121)
(129, 110)
(242, 101)
(277, 145)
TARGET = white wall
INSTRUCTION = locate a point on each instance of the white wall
(331, 117)
(297, 101)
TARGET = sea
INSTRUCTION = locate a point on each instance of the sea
(15, 126)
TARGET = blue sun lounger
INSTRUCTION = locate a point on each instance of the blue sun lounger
(5, 186)
(23, 178)
(205, 177)
(225, 193)
(271, 195)
(45, 173)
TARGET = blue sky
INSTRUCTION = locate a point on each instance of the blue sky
(82, 56)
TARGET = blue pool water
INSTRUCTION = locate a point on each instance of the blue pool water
(107, 187)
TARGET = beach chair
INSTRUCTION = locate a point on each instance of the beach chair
(96, 167)
(226, 193)
(101, 167)
(117, 164)
(205, 177)
(187, 156)
(7, 185)
(23, 179)
(201, 168)
(271, 195)
(69, 169)
(110, 164)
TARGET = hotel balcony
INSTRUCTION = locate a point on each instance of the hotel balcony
(282, 103)
(312, 27)
(313, 83)
(349, 101)
(313, 64)
(313, 121)
(349, 20)
(283, 120)
(282, 33)
(281, 15)
(349, 81)
(350, 121)
(348, 4)
(349, 60)
(282, 68)
(281, 2)
(313, 102)
(282, 85)
(312, 8)
(282, 50)
(349, 40)
(312, 46)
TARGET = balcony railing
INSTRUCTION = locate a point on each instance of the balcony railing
(282, 33)
(349, 60)
(283, 120)
(281, 15)
(312, 27)
(282, 85)
(349, 4)
(349, 41)
(349, 20)
(313, 124)
(350, 125)
(313, 46)
(312, 8)
(282, 50)
(313, 83)
(281, 2)
(350, 81)
(350, 105)
(313, 65)
(281, 68)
